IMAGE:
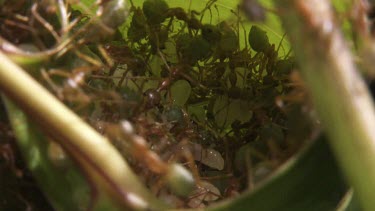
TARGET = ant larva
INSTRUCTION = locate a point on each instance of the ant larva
(205, 193)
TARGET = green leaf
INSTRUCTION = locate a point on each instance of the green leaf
(227, 110)
(309, 181)
(272, 25)
(180, 92)
(65, 187)
(88, 2)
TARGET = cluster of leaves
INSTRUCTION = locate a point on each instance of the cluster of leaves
(178, 88)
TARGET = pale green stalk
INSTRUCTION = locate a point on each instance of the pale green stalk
(93, 151)
(341, 98)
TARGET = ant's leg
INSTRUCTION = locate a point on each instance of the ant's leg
(45, 24)
(88, 59)
(106, 56)
(185, 153)
(55, 88)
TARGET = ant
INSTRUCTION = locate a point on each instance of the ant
(138, 147)
(71, 90)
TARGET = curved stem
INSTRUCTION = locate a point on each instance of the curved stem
(93, 151)
(338, 91)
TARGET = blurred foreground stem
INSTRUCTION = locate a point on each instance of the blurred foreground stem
(340, 95)
(94, 153)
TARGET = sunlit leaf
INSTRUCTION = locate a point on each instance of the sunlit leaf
(227, 110)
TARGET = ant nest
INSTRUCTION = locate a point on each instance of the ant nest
(202, 108)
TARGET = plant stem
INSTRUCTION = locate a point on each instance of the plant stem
(92, 151)
(340, 95)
